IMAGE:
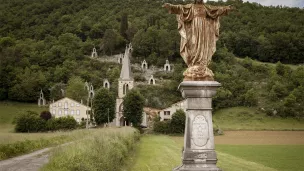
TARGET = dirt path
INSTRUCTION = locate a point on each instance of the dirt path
(29, 162)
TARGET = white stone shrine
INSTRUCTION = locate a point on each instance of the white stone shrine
(41, 100)
(120, 58)
(144, 65)
(106, 84)
(167, 66)
(151, 80)
(94, 53)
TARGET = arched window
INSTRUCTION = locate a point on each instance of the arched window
(124, 89)
(106, 85)
(151, 81)
(127, 88)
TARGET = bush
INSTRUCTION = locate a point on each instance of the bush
(29, 122)
(177, 124)
(32, 122)
(46, 115)
(62, 123)
(162, 127)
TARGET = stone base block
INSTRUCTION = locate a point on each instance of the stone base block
(197, 167)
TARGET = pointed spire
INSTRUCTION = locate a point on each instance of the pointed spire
(126, 73)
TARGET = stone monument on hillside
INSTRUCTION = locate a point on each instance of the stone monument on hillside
(41, 100)
(198, 25)
(94, 53)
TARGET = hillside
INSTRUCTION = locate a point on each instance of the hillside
(44, 43)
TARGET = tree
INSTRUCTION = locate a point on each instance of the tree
(124, 25)
(178, 122)
(75, 89)
(133, 107)
(104, 106)
(56, 91)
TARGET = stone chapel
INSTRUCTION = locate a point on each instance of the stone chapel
(125, 83)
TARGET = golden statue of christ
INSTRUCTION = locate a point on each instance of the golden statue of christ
(198, 25)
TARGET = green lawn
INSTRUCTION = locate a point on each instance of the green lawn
(163, 153)
(8, 111)
(243, 118)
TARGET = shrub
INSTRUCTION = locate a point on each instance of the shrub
(29, 122)
(62, 123)
(177, 124)
(162, 127)
(32, 122)
(46, 115)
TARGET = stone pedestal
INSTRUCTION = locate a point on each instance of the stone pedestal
(199, 153)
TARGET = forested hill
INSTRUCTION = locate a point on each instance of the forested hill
(43, 43)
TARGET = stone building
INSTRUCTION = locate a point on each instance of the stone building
(120, 58)
(41, 100)
(144, 65)
(106, 83)
(69, 107)
(167, 66)
(166, 114)
(125, 83)
(151, 80)
(94, 53)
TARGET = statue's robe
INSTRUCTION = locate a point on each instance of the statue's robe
(198, 25)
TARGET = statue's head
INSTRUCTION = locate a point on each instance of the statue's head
(198, 1)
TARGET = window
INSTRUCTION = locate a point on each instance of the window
(167, 113)
(54, 104)
(66, 105)
(54, 112)
(59, 104)
(72, 104)
(77, 104)
(59, 112)
(66, 112)
(72, 112)
(77, 112)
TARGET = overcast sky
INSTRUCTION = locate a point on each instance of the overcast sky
(290, 3)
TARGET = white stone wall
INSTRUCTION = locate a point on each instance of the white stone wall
(171, 110)
(69, 107)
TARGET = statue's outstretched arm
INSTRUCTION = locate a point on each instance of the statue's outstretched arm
(216, 11)
(173, 9)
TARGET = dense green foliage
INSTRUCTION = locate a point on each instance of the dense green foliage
(75, 89)
(106, 149)
(133, 107)
(103, 106)
(32, 122)
(45, 43)
(175, 126)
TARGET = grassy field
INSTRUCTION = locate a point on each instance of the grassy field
(162, 153)
(107, 149)
(12, 144)
(9, 110)
(243, 118)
